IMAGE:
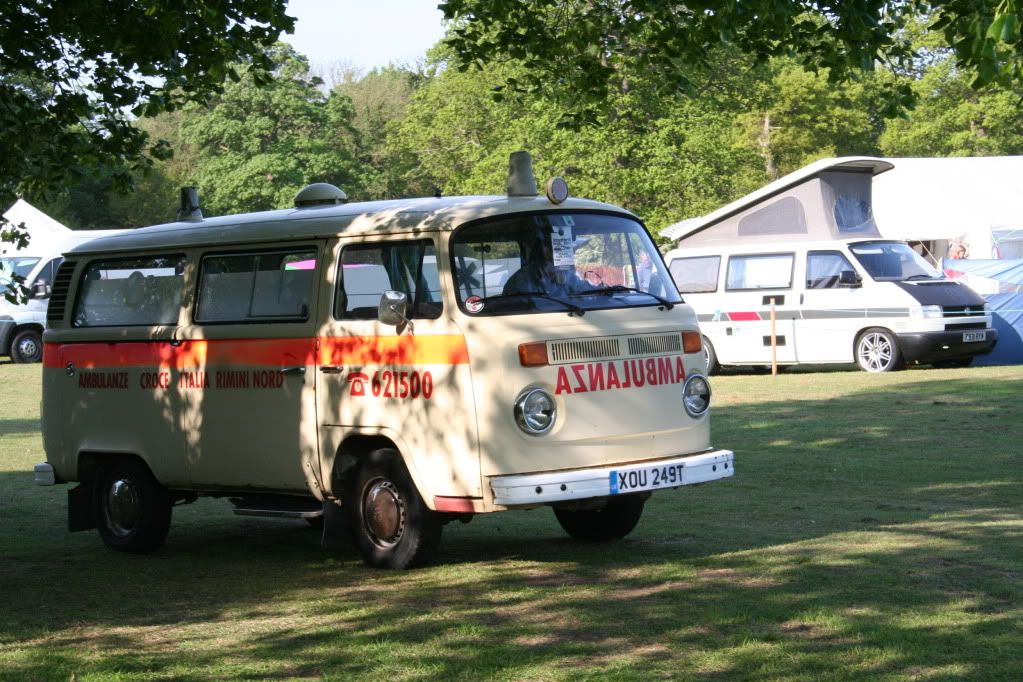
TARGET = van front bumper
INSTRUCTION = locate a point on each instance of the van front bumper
(928, 347)
(7, 328)
(580, 484)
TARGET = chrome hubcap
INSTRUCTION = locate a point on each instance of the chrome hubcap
(122, 507)
(28, 348)
(383, 513)
(875, 352)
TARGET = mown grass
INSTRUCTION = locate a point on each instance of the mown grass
(874, 530)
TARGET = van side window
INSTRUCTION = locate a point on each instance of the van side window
(773, 271)
(824, 267)
(130, 292)
(696, 275)
(249, 287)
(368, 270)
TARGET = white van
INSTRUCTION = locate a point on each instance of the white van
(876, 303)
(797, 272)
(387, 367)
(22, 324)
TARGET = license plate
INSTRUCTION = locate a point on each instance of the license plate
(974, 336)
(646, 478)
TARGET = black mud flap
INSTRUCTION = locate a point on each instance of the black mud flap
(79, 508)
(337, 527)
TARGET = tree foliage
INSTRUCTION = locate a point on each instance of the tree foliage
(73, 72)
(262, 142)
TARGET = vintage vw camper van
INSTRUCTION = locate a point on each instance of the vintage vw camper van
(386, 367)
(798, 273)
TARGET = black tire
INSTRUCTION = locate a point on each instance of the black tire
(877, 351)
(612, 522)
(710, 357)
(133, 511)
(27, 346)
(393, 526)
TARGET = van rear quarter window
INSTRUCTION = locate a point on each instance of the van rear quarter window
(130, 292)
(246, 287)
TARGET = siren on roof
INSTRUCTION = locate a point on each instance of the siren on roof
(521, 182)
(320, 194)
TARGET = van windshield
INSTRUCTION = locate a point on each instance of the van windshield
(15, 266)
(893, 262)
(548, 262)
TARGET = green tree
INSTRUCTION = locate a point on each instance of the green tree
(260, 143)
(74, 72)
(582, 51)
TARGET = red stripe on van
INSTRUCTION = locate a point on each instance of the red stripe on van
(349, 350)
(744, 317)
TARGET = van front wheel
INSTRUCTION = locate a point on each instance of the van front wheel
(710, 357)
(393, 526)
(877, 351)
(133, 511)
(27, 346)
(612, 522)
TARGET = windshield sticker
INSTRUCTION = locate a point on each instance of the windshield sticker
(474, 304)
(563, 249)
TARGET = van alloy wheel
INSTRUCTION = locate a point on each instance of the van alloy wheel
(877, 351)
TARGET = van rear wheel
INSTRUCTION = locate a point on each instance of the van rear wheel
(611, 522)
(393, 526)
(877, 351)
(133, 511)
(710, 357)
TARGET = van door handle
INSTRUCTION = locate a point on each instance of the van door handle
(332, 369)
(298, 369)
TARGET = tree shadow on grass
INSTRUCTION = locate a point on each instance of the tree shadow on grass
(854, 542)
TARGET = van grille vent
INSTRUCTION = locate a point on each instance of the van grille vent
(651, 345)
(614, 347)
(590, 349)
(963, 311)
(58, 294)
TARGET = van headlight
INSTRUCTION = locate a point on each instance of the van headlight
(535, 411)
(925, 311)
(696, 395)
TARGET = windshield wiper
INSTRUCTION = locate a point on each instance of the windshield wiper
(621, 289)
(921, 276)
(572, 308)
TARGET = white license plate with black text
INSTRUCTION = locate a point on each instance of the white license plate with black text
(974, 336)
(650, 477)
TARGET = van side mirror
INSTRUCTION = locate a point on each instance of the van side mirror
(392, 308)
(41, 289)
(848, 278)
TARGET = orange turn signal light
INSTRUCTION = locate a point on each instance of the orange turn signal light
(533, 354)
(692, 342)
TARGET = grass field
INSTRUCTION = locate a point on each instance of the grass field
(874, 530)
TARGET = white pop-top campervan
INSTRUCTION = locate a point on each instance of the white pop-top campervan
(797, 272)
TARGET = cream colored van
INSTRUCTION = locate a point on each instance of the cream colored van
(383, 368)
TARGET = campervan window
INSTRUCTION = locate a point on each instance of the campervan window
(760, 272)
(130, 292)
(248, 287)
(785, 216)
(368, 270)
(893, 261)
(696, 275)
(824, 267)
